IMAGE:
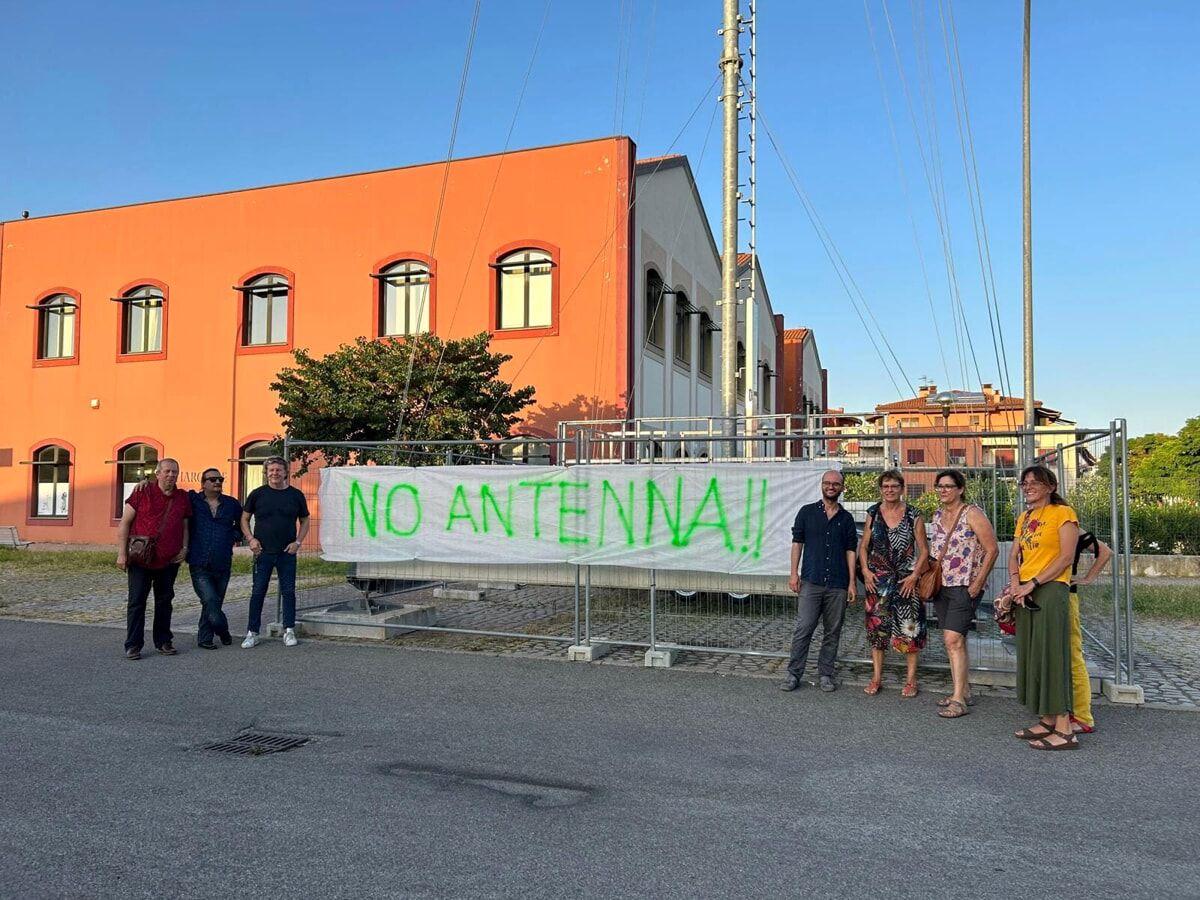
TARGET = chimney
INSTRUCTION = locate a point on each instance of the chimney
(926, 390)
(988, 390)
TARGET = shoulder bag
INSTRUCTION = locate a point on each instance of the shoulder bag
(930, 581)
(141, 547)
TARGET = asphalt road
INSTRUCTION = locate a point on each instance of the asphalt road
(437, 774)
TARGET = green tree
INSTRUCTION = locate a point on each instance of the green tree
(1171, 468)
(860, 486)
(358, 393)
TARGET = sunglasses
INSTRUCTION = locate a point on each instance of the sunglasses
(217, 478)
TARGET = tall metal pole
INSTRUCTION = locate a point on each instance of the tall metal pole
(1027, 246)
(731, 63)
(752, 397)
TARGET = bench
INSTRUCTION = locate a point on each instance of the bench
(8, 538)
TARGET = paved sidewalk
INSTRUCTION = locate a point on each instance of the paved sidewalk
(1167, 660)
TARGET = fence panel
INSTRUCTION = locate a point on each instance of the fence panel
(753, 619)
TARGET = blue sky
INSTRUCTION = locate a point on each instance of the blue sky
(108, 103)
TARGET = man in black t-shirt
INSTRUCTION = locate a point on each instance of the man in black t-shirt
(276, 507)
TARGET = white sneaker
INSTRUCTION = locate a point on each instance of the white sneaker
(289, 637)
(251, 640)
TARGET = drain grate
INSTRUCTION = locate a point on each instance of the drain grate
(251, 743)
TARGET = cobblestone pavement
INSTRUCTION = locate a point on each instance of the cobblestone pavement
(1167, 661)
(99, 598)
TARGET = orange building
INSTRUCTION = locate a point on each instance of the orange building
(151, 330)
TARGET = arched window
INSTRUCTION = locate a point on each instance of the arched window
(655, 320)
(705, 361)
(404, 298)
(250, 467)
(135, 464)
(51, 483)
(741, 368)
(142, 320)
(524, 289)
(683, 329)
(265, 310)
(526, 451)
(56, 326)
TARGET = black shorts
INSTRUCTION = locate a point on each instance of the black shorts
(955, 608)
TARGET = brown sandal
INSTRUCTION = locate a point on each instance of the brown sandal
(954, 710)
(946, 701)
(874, 687)
(910, 690)
(1072, 742)
(1028, 734)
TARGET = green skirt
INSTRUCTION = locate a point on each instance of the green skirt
(1044, 652)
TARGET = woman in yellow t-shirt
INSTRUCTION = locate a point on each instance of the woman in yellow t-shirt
(1040, 562)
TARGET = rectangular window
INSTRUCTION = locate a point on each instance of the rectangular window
(56, 328)
(915, 457)
(51, 483)
(539, 297)
(957, 456)
(265, 311)
(683, 340)
(512, 307)
(914, 491)
(526, 290)
(141, 330)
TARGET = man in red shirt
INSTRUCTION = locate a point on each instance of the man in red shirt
(156, 510)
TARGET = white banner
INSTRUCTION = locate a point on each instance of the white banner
(716, 517)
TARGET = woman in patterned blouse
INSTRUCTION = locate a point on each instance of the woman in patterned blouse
(893, 548)
(965, 540)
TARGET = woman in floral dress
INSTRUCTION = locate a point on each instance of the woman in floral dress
(893, 548)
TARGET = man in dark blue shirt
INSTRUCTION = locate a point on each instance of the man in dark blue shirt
(824, 533)
(216, 527)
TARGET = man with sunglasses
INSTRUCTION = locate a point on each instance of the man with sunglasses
(216, 527)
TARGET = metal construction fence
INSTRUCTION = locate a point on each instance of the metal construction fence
(715, 612)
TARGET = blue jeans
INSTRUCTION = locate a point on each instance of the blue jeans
(210, 585)
(284, 564)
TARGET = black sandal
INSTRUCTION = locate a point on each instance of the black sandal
(1072, 743)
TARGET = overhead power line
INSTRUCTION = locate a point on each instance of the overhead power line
(839, 266)
(487, 204)
(437, 219)
(887, 105)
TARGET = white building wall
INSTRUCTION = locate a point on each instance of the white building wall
(672, 236)
(813, 379)
(764, 330)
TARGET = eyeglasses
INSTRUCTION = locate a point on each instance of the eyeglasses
(216, 478)
(945, 487)
(831, 484)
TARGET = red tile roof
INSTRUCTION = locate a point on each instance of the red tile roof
(796, 334)
(964, 402)
(743, 259)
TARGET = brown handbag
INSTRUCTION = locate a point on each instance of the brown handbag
(930, 580)
(141, 547)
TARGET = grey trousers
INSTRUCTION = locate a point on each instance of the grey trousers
(824, 605)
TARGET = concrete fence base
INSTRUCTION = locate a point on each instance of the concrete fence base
(1147, 565)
